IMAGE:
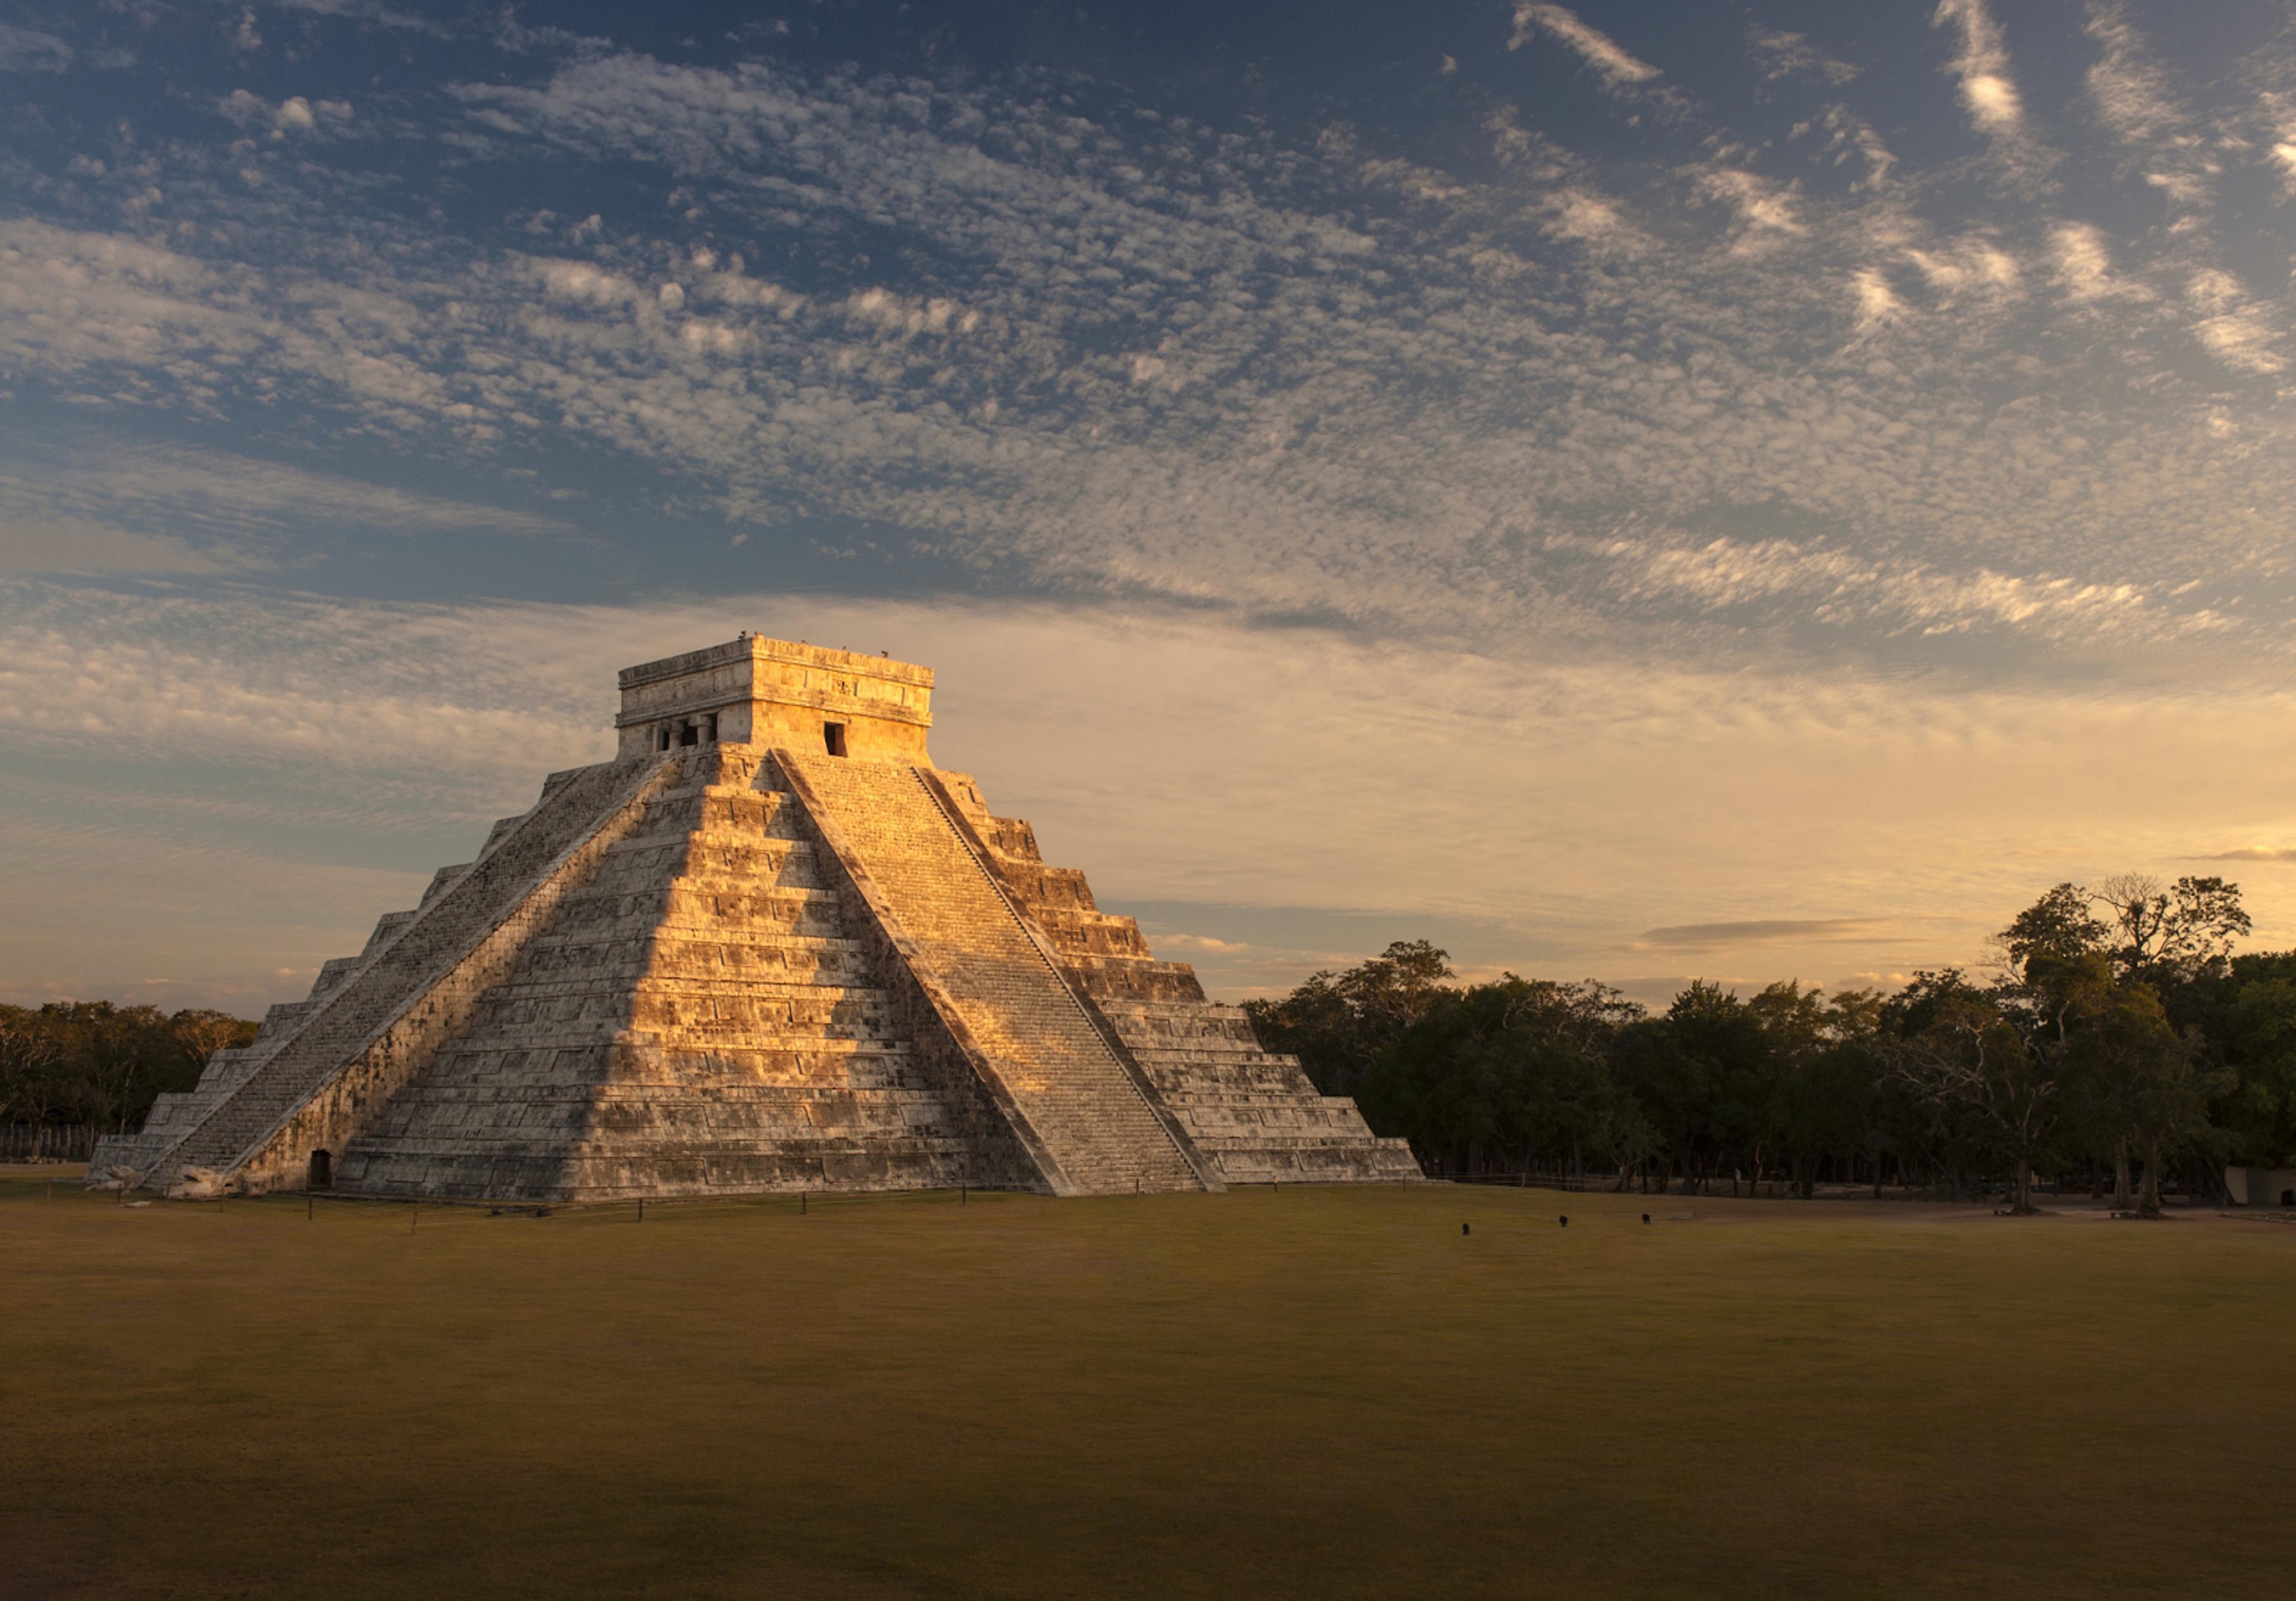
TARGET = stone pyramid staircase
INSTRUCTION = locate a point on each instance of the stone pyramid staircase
(374, 1020)
(1095, 1124)
(699, 1018)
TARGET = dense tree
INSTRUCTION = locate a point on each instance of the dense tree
(2175, 934)
(1337, 1023)
(1509, 1073)
(30, 1057)
(2257, 1109)
(2062, 923)
(2118, 1028)
(2139, 1083)
(199, 1034)
(2132, 1011)
(1823, 1094)
(93, 1062)
(1964, 1044)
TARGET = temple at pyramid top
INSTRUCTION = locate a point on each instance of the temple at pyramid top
(768, 946)
(770, 692)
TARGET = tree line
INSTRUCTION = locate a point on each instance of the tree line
(97, 1064)
(2113, 1039)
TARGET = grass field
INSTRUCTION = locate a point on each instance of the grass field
(1312, 1392)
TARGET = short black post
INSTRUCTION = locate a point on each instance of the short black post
(414, 1216)
(307, 1204)
(1565, 1221)
(641, 1209)
(1464, 1228)
(961, 1190)
(801, 1204)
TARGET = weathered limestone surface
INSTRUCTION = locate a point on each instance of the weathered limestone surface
(699, 1019)
(801, 959)
(1253, 1115)
(372, 1024)
(769, 692)
(1093, 1121)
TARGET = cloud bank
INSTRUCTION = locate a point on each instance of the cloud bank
(1624, 419)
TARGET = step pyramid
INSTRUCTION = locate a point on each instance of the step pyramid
(769, 947)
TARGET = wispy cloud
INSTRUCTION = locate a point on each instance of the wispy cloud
(1785, 54)
(1613, 64)
(90, 507)
(1766, 930)
(2127, 87)
(2233, 326)
(1981, 64)
(29, 50)
(46, 543)
(2085, 262)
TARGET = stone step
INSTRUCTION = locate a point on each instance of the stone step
(1279, 1123)
(1090, 934)
(673, 902)
(770, 923)
(723, 853)
(678, 975)
(334, 972)
(282, 1018)
(1072, 1091)
(439, 880)
(707, 1013)
(630, 1047)
(1037, 884)
(1178, 1020)
(464, 905)
(680, 956)
(1221, 1055)
(557, 1029)
(1280, 1138)
(669, 1171)
(1263, 1099)
(812, 1066)
(385, 926)
(500, 832)
(765, 1112)
(695, 1075)
(1119, 980)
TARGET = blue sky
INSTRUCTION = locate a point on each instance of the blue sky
(1629, 490)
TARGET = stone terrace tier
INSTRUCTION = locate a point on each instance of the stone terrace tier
(1078, 1102)
(1254, 1116)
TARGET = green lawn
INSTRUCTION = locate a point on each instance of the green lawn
(1312, 1392)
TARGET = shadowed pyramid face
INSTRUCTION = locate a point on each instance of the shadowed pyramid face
(773, 692)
